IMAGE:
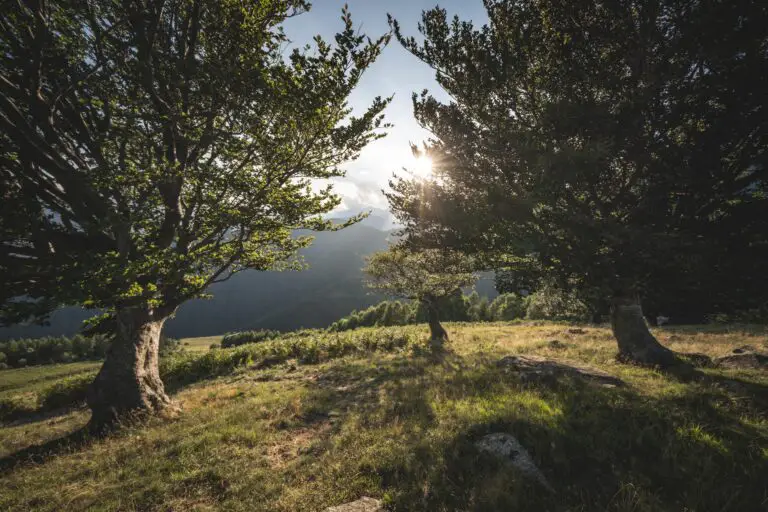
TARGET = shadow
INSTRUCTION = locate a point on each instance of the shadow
(39, 415)
(601, 448)
(38, 454)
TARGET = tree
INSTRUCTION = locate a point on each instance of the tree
(152, 148)
(598, 144)
(428, 276)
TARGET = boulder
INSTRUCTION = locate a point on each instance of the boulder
(364, 504)
(744, 357)
(542, 369)
(506, 448)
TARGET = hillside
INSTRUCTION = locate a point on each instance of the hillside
(300, 424)
(329, 289)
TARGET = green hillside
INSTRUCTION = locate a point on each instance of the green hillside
(305, 422)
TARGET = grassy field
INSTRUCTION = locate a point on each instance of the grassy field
(400, 425)
(202, 344)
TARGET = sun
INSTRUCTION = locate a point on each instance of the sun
(421, 166)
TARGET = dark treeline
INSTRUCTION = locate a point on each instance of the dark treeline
(61, 349)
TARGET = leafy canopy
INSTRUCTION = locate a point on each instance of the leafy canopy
(150, 149)
(430, 274)
(598, 143)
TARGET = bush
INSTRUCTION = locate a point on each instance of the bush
(508, 306)
(61, 349)
(456, 308)
(384, 314)
(52, 349)
(235, 339)
(550, 303)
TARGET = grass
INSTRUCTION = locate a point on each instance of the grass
(202, 344)
(38, 390)
(325, 422)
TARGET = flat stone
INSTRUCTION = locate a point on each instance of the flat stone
(540, 368)
(364, 504)
(750, 360)
(744, 349)
(506, 448)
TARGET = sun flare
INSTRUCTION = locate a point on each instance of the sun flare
(421, 167)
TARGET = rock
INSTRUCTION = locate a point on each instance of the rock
(539, 368)
(364, 504)
(746, 356)
(508, 449)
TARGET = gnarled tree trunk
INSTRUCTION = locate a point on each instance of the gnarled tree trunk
(636, 343)
(436, 331)
(129, 380)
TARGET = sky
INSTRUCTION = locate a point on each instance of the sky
(396, 72)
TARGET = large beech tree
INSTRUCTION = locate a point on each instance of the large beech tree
(429, 276)
(600, 144)
(150, 148)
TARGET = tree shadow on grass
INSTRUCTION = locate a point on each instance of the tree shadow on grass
(39, 453)
(603, 449)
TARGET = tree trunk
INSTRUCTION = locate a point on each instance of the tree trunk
(636, 343)
(129, 380)
(436, 331)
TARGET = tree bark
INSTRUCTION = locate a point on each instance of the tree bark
(129, 383)
(636, 343)
(436, 331)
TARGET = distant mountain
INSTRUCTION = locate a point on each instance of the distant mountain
(331, 288)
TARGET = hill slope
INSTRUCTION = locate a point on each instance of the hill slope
(401, 426)
(329, 289)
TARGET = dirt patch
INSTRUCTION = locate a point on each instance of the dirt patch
(299, 442)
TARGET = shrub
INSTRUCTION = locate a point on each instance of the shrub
(508, 306)
(236, 339)
(61, 349)
(52, 349)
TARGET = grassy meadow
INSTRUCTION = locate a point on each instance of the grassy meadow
(303, 424)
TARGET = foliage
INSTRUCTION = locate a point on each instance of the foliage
(613, 147)
(385, 313)
(428, 274)
(550, 303)
(61, 349)
(455, 308)
(50, 350)
(149, 151)
(235, 339)
(508, 306)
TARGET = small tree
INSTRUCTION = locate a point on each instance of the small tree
(601, 145)
(428, 276)
(150, 149)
